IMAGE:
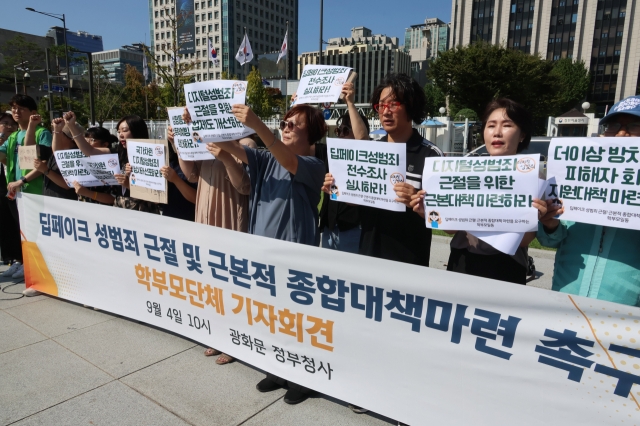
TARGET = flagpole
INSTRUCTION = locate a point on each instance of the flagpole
(144, 73)
(209, 47)
(245, 58)
(286, 71)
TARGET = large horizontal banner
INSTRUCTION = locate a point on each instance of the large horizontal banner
(321, 83)
(189, 149)
(97, 170)
(365, 172)
(481, 194)
(596, 179)
(210, 105)
(420, 345)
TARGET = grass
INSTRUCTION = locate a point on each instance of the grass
(534, 244)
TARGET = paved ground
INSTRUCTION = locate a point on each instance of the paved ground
(63, 364)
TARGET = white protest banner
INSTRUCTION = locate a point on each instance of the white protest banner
(329, 320)
(146, 159)
(481, 194)
(210, 104)
(321, 83)
(102, 168)
(596, 179)
(97, 170)
(365, 172)
(188, 149)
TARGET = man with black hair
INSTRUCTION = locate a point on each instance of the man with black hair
(400, 236)
(23, 177)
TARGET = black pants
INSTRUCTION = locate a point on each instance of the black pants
(10, 244)
(292, 386)
(499, 266)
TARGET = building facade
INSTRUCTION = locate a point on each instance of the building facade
(371, 56)
(599, 32)
(80, 40)
(423, 42)
(115, 61)
(224, 21)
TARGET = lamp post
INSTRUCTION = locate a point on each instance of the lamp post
(20, 67)
(92, 115)
(320, 48)
(66, 48)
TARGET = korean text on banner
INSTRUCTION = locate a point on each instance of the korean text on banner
(210, 104)
(481, 194)
(321, 83)
(146, 159)
(596, 179)
(365, 172)
(187, 147)
(27, 155)
(97, 170)
(319, 317)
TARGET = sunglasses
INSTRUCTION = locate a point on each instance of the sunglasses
(288, 124)
(342, 131)
(392, 106)
(613, 128)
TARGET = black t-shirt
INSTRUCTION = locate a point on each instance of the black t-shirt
(400, 236)
(50, 188)
(177, 206)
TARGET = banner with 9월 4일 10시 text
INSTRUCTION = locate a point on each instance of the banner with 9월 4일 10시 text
(465, 350)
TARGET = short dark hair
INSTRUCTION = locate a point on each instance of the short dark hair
(137, 126)
(99, 133)
(314, 120)
(7, 115)
(407, 91)
(516, 113)
(24, 101)
(345, 119)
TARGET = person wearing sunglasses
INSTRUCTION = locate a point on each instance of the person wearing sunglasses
(596, 261)
(401, 236)
(285, 190)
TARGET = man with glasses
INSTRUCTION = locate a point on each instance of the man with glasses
(23, 177)
(592, 260)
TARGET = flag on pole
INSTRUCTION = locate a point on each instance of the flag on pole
(145, 67)
(283, 49)
(213, 53)
(245, 54)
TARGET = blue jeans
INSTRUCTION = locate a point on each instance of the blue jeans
(348, 241)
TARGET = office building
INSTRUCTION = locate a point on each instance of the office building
(115, 61)
(600, 33)
(371, 56)
(423, 42)
(80, 40)
(224, 21)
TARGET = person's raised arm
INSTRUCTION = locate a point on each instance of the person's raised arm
(237, 174)
(189, 168)
(357, 126)
(187, 191)
(78, 138)
(30, 136)
(279, 150)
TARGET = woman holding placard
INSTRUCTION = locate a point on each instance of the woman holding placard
(507, 128)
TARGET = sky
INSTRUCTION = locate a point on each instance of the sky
(122, 22)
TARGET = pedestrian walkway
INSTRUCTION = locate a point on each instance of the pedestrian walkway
(64, 364)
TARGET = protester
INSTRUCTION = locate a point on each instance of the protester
(97, 137)
(9, 231)
(593, 260)
(181, 194)
(507, 127)
(399, 236)
(31, 132)
(285, 191)
(222, 197)
(340, 222)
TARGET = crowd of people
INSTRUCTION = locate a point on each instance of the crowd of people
(275, 187)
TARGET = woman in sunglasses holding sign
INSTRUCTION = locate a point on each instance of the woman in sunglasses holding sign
(593, 260)
(285, 183)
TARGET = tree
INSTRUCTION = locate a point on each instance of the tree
(257, 96)
(473, 75)
(174, 75)
(466, 113)
(435, 99)
(573, 80)
(19, 51)
(106, 95)
(133, 94)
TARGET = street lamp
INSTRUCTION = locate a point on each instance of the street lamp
(66, 50)
(442, 110)
(320, 48)
(21, 67)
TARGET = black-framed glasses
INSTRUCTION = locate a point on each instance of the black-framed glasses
(342, 131)
(613, 128)
(288, 124)
(392, 106)
(8, 124)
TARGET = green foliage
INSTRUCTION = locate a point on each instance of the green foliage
(78, 107)
(466, 113)
(106, 95)
(573, 79)
(133, 95)
(257, 96)
(435, 100)
(225, 76)
(474, 75)
(18, 51)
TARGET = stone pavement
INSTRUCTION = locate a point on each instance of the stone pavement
(63, 364)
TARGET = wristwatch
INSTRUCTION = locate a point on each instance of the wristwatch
(24, 180)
